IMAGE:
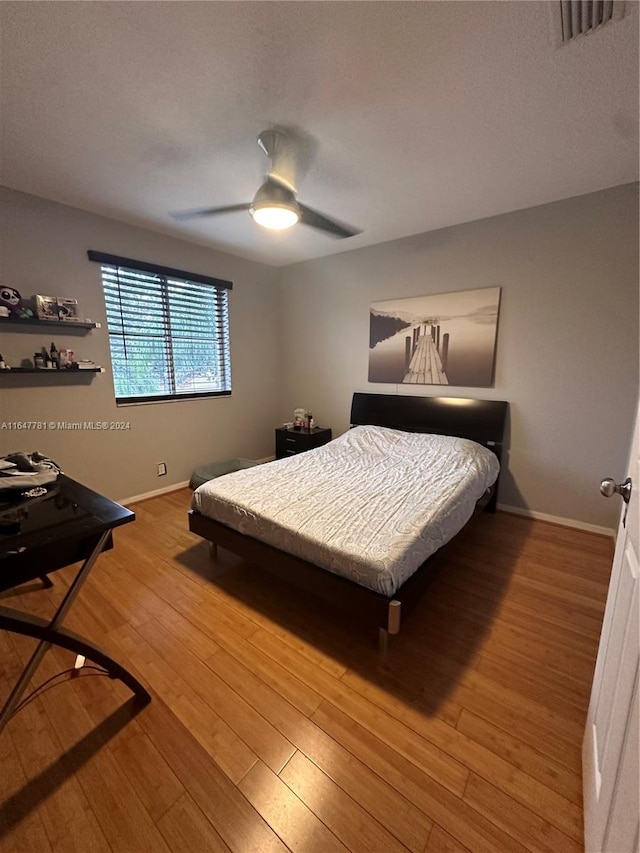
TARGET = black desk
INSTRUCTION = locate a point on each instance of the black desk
(39, 535)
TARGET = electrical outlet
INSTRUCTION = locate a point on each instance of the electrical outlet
(162, 469)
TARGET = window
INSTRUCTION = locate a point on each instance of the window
(168, 331)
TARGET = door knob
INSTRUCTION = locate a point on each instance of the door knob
(609, 487)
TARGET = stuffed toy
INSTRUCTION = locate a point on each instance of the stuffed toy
(11, 299)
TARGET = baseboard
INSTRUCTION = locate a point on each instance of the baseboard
(154, 494)
(563, 522)
(176, 486)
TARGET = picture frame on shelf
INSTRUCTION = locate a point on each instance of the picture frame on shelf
(68, 310)
(47, 307)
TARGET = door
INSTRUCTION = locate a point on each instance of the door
(611, 747)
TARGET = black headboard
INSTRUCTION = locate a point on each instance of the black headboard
(480, 420)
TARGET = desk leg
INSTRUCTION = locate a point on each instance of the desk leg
(50, 634)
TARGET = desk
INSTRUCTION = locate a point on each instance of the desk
(69, 524)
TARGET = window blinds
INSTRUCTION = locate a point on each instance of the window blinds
(169, 336)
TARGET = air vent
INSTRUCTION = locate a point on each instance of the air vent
(573, 18)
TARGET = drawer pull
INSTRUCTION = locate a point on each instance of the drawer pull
(290, 440)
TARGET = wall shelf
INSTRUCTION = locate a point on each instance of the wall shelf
(45, 371)
(19, 323)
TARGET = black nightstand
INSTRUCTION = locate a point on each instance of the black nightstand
(292, 441)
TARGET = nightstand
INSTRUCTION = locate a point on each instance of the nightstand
(292, 441)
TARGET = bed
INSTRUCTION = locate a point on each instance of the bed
(356, 521)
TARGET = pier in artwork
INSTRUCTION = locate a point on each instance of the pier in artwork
(426, 355)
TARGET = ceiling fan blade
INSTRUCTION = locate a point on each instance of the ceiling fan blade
(208, 211)
(317, 220)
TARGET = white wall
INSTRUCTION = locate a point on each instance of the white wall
(43, 249)
(567, 354)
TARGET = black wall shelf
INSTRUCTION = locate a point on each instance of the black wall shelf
(43, 371)
(17, 323)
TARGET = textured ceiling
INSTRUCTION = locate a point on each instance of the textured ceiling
(409, 116)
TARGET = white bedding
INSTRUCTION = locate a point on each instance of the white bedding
(371, 505)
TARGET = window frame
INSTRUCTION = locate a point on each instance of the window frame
(166, 273)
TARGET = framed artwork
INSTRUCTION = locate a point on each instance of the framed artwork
(46, 307)
(68, 309)
(442, 339)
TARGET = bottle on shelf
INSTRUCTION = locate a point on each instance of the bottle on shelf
(54, 355)
(310, 421)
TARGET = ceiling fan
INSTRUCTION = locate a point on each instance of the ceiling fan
(275, 205)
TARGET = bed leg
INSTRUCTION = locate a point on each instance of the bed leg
(393, 625)
(394, 616)
(213, 551)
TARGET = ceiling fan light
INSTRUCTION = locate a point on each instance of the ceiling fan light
(275, 206)
(275, 217)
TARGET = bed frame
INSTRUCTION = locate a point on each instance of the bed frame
(482, 421)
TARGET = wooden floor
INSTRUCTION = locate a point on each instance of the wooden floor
(275, 724)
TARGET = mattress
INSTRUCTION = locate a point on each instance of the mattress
(371, 505)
